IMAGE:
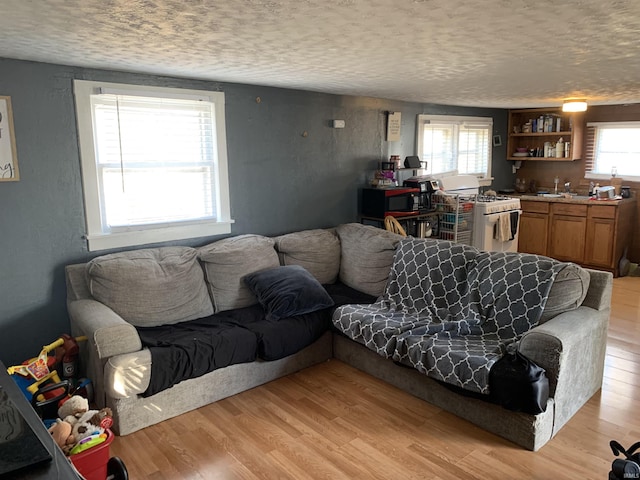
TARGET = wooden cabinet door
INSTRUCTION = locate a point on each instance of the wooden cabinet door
(599, 242)
(534, 231)
(567, 238)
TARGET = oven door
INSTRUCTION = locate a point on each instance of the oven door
(490, 232)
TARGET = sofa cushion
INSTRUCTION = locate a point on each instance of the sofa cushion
(367, 255)
(287, 291)
(318, 251)
(192, 349)
(227, 261)
(279, 338)
(151, 287)
(567, 292)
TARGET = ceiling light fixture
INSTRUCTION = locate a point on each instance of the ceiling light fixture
(574, 105)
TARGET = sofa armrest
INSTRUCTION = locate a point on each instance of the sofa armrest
(127, 375)
(571, 348)
(104, 328)
(108, 335)
(600, 290)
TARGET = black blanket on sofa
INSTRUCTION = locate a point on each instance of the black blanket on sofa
(191, 349)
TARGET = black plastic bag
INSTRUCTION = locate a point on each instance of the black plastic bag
(518, 384)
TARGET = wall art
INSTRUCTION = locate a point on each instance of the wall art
(8, 157)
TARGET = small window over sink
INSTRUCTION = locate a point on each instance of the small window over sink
(613, 148)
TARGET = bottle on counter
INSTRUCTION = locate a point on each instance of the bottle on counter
(616, 182)
(595, 190)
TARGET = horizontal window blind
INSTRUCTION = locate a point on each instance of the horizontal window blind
(613, 146)
(590, 148)
(438, 147)
(451, 143)
(473, 151)
(156, 159)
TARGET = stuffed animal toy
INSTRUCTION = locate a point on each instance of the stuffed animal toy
(73, 408)
(61, 432)
(83, 429)
(92, 421)
(103, 418)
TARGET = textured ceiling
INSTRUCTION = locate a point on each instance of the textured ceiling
(495, 53)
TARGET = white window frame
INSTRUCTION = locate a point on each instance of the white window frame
(620, 169)
(99, 236)
(456, 121)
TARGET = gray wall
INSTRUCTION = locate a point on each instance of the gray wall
(280, 181)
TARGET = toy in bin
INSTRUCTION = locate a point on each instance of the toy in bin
(83, 434)
(40, 371)
(95, 464)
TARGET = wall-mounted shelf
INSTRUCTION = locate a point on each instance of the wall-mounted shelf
(571, 130)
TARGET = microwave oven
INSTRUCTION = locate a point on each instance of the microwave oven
(380, 202)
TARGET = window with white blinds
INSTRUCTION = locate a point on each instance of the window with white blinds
(154, 163)
(613, 146)
(451, 144)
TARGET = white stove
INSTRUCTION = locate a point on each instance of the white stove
(496, 223)
(496, 204)
(496, 219)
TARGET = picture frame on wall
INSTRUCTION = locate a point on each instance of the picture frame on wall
(8, 155)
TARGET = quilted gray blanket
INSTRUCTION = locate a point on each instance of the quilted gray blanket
(450, 310)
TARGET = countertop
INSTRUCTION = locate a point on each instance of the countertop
(576, 199)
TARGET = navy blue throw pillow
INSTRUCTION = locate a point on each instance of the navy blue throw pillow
(287, 291)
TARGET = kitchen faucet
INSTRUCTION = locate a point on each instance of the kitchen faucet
(567, 187)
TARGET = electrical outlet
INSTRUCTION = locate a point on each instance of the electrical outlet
(338, 124)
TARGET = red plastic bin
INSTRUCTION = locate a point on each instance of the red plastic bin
(92, 463)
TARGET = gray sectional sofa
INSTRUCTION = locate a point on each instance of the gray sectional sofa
(113, 296)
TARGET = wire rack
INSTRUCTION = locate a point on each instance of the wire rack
(455, 217)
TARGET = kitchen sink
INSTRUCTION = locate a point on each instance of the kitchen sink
(568, 196)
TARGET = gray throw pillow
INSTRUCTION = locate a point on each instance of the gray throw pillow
(151, 287)
(567, 292)
(367, 256)
(318, 251)
(227, 261)
(287, 291)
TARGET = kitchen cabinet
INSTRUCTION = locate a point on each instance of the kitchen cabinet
(599, 244)
(609, 233)
(567, 234)
(590, 233)
(534, 227)
(522, 123)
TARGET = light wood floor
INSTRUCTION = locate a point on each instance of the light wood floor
(334, 422)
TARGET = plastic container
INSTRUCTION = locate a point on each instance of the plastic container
(92, 463)
(560, 148)
(625, 192)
